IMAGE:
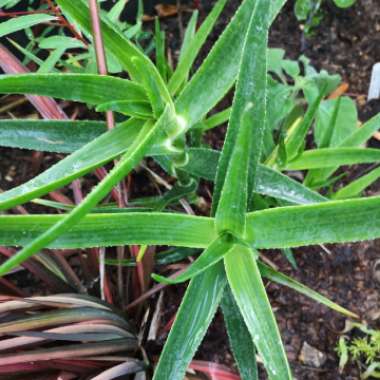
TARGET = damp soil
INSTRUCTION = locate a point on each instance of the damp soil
(347, 42)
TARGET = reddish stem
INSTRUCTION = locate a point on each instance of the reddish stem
(21, 13)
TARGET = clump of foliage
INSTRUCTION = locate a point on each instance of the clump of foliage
(71, 333)
(364, 350)
(309, 12)
(163, 113)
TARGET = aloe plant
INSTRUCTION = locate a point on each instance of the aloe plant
(256, 204)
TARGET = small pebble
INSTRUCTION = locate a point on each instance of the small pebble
(311, 356)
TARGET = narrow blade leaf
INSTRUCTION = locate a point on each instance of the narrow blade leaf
(289, 282)
(330, 157)
(214, 253)
(249, 292)
(86, 88)
(61, 136)
(193, 318)
(243, 143)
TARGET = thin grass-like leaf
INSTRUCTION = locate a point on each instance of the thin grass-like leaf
(64, 136)
(193, 318)
(356, 139)
(328, 157)
(354, 188)
(47, 107)
(216, 120)
(203, 163)
(214, 253)
(189, 35)
(58, 300)
(287, 281)
(74, 332)
(22, 22)
(86, 88)
(125, 107)
(159, 38)
(296, 139)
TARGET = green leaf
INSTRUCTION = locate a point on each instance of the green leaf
(362, 134)
(288, 253)
(337, 126)
(354, 188)
(61, 136)
(190, 53)
(240, 341)
(190, 31)
(303, 8)
(242, 147)
(193, 318)
(344, 3)
(131, 108)
(296, 140)
(50, 62)
(16, 24)
(159, 38)
(55, 42)
(328, 157)
(203, 163)
(326, 141)
(289, 282)
(327, 222)
(111, 229)
(213, 253)
(86, 88)
(216, 120)
(249, 292)
(277, 185)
